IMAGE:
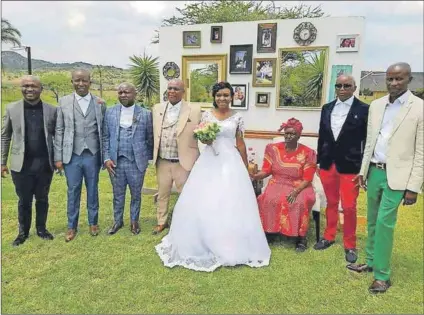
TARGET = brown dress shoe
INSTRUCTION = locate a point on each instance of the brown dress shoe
(70, 235)
(379, 286)
(135, 227)
(94, 230)
(159, 228)
(359, 268)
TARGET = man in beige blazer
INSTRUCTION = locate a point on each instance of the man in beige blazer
(392, 166)
(175, 149)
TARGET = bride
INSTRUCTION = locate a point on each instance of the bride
(216, 219)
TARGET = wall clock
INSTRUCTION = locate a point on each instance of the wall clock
(305, 33)
(171, 70)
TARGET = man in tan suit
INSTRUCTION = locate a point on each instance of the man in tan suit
(175, 148)
(393, 168)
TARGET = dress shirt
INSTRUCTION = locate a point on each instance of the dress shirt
(339, 114)
(127, 115)
(172, 113)
(83, 102)
(390, 113)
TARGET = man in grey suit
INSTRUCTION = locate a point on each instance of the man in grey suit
(78, 149)
(30, 123)
(127, 148)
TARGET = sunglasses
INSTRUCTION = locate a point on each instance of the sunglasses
(345, 86)
(170, 88)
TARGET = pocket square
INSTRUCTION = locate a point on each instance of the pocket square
(356, 117)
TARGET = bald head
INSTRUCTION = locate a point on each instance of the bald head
(398, 76)
(31, 89)
(126, 94)
(345, 87)
(175, 91)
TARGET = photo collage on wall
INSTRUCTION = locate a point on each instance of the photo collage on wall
(280, 79)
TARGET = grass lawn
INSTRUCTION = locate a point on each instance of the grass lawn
(122, 274)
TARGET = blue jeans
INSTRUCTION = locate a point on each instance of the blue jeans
(85, 166)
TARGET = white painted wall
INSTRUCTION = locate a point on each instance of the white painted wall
(239, 33)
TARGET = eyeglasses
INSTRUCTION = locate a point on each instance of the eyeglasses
(170, 88)
(345, 86)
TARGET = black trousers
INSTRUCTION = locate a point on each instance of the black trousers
(29, 184)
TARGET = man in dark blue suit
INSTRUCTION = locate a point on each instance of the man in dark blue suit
(341, 143)
(127, 148)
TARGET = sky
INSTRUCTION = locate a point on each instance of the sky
(108, 32)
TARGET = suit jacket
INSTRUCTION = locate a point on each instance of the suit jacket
(188, 149)
(142, 135)
(64, 137)
(13, 130)
(347, 150)
(405, 146)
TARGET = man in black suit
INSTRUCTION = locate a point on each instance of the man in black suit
(28, 127)
(341, 143)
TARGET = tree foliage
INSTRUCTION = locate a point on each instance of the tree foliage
(57, 82)
(220, 11)
(10, 34)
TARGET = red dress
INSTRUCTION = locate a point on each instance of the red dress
(288, 169)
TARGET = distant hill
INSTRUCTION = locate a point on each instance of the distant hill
(12, 61)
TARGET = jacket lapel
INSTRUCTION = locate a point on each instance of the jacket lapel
(327, 118)
(350, 115)
(20, 109)
(76, 105)
(117, 121)
(97, 110)
(182, 119)
(137, 111)
(401, 115)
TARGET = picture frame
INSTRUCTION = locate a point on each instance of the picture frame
(216, 34)
(262, 99)
(347, 43)
(266, 38)
(264, 72)
(241, 59)
(192, 39)
(240, 99)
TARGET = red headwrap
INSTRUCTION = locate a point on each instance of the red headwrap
(292, 123)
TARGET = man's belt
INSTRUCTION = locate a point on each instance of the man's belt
(381, 166)
(171, 160)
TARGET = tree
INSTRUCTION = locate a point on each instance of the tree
(220, 11)
(314, 86)
(101, 75)
(10, 34)
(57, 82)
(145, 76)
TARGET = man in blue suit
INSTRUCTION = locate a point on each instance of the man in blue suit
(127, 148)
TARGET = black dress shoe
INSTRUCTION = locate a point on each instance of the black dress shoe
(115, 228)
(45, 235)
(301, 244)
(379, 286)
(359, 268)
(351, 256)
(20, 239)
(135, 228)
(323, 244)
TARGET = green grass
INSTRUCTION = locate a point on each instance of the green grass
(122, 274)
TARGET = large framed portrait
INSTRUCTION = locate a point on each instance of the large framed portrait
(240, 99)
(264, 71)
(267, 37)
(347, 43)
(241, 59)
(262, 99)
(192, 39)
(216, 34)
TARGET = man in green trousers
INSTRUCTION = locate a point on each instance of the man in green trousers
(391, 170)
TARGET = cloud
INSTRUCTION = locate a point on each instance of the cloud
(76, 20)
(151, 8)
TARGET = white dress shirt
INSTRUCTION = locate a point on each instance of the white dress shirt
(173, 112)
(339, 114)
(127, 115)
(390, 113)
(83, 102)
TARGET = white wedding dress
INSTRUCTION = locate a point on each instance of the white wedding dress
(216, 218)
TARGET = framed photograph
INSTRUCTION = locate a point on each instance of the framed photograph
(264, 71)
(347, 43)
(216, 34)
(262, 99)
(336, 71)
(241, 59)
(191, 39)
(240, 99)
(267, 37)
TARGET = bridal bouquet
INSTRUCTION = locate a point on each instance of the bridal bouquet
(207, 132)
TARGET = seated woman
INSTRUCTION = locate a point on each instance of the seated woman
(289, 196)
